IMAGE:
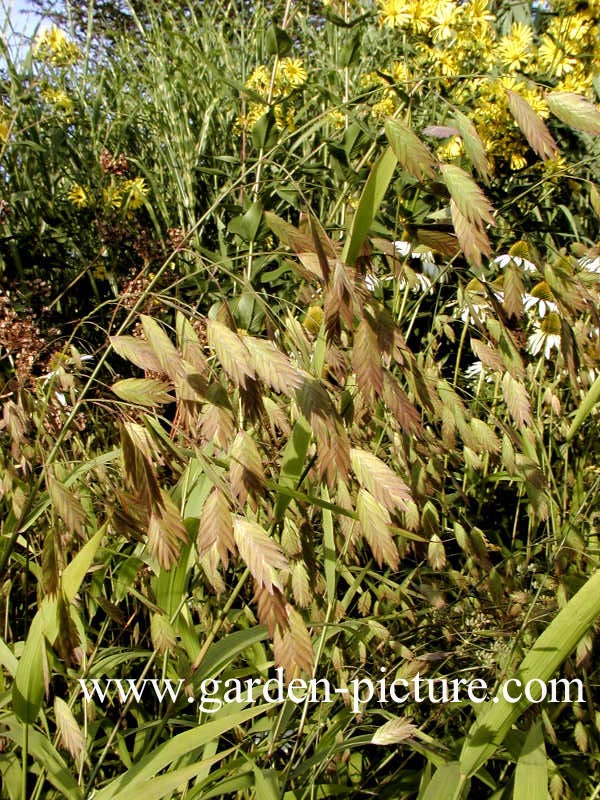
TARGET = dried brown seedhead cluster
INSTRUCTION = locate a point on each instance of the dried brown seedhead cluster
(113, 165)
(132, 289)
(20, 337)
(176, 239)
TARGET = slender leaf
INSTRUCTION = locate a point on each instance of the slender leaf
(368, 205)
(531, 775)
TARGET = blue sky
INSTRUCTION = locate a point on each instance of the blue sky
(19, 16)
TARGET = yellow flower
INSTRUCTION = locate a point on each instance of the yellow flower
(479, 17)
(290, 119)
(101, 273)
(536, 99)
(575, 27)
(59, 99)
(394, 13)
(517, 161)
(53, 46)
(5, 126)
(78, 196)
(259, 80)
(386, 106)
(445, 19)
(111, 195)
(293, 72)
(370, 80)
(554, 59)
(420, 16)
(400, 72)
(514, 50)
(451, 150)
(336, 119)
(134, 191)
(577, 82)
(555, 167)
(284, 117)
(447, 63)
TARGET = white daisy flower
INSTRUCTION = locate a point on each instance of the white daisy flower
(473, 372)
(543, 306)
(590, 264)
(505, 259)
(477, 303)
(546, 336)
(430, 270)
(420, 282)
(402, 248)
(371, 282)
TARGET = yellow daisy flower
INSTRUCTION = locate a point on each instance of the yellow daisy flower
(514, 50)
(554, 59)
(336, 119)
(78, 196)
(385, 107)
(394, 13)
(420, 16)
(451, 150)
(53, 46)
(112, 198)
(445, 21)
(59, 99)
(293, 71)
(134, 191)
(517, 161)
(400, 72)
(259, 80)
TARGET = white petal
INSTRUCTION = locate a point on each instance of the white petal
(403, 248)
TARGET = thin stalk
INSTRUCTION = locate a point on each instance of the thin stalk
(261, 154)
(220, 619)
(319, 652)
(461, 345)
(24, 759)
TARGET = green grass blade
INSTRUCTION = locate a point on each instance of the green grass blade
(266, 785)
(531, 775)
(293, 463)
(7, 658)
(446, 784)
(549, 651)
(165, 785)
(132, 783)
(28, 688)
(329, 545)
(46, 756)
(221, 653)
(75, 571)
(368, 205)
(585, 409)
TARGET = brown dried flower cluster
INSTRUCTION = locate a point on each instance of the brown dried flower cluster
(133, 287)
(20, 337)
(116, 165)
(176, 239)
